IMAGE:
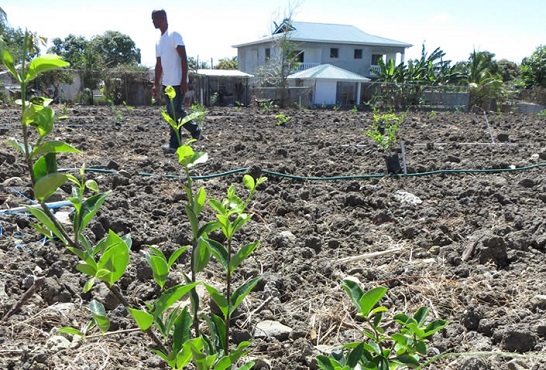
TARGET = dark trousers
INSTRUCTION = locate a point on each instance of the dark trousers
(177, 114)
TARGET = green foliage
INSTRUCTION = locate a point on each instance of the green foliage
(227, 63)
(542, 113)
(282, 119)
(384, 129)
(383, 347)
(533, 68)
(202, 110)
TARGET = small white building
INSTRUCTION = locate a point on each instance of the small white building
(330, 85)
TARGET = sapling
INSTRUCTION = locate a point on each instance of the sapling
(383, 347)
(383, 131)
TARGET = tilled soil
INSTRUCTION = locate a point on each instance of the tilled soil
(463, 233)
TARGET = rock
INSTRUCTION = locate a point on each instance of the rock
(272, 329)
(407, 198)
(58, 343)
(517, 341)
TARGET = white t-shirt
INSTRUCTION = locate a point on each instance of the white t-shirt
(165, 48)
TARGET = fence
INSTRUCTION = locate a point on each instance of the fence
(401, 96)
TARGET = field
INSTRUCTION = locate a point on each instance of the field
(463, 233)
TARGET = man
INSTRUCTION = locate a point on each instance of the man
(171, 69)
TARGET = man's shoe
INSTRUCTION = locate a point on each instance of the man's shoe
(167, 149)
(198, 135)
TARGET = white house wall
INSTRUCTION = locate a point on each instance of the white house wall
(325, 92)
(252, 56)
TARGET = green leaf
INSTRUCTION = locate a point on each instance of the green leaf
(219, 252)
(69, 330)
(434, 327)
(249, 182)
(19, 146)
(199, 201)
(48, 185)
(421, 315)
(194, 221)
(43, 121)
(242, 254)
(327, 363)
(201, 255)
(114, 259)
(370, 299)
(240, 293)
(176, 254)
(7, 60)
(407, 360)
(43, 64)
(89, 285)
(182, 330)
(53, 147)
(86, 269)
(44, 166)
(143, 319)
(208, 228)
(48, 223)
(169, 297)
(89, 209)
(218, 206)
(355, 355)
(160, 269)
(99, 315)
(354, 291)
(219, 299)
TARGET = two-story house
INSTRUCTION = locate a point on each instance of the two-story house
(340, 45)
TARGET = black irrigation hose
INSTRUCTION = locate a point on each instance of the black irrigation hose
(331, 178)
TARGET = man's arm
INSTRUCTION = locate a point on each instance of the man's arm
(157, 80)
(181, 49)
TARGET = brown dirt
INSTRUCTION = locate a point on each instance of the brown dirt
(472, 248)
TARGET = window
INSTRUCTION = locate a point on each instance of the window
(358, 53)
(334, 53)
(375, 59)
(267, 54)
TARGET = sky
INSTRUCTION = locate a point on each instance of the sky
(509, 29)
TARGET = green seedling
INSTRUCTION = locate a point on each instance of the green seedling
(384, 129)
(282, 119)
(383, 347)
(177, 122)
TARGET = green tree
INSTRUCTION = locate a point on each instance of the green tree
(72, 49)
(115, 49)
(508, 70)
(227, 63)
(533, 68)
(195, 64)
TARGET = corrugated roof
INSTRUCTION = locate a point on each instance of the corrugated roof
(328, 72)
(336, 33)
(223, 73)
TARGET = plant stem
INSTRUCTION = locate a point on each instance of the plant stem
(115, 291)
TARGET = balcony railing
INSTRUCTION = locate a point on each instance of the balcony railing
(304, 66)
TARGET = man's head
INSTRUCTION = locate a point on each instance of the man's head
(159, 18)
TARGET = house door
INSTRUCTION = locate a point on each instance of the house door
(325, 93)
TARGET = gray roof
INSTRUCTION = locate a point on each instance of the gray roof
(326, 32)
(328, 72)
(223, 73)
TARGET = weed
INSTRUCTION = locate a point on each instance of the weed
(542, 113)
